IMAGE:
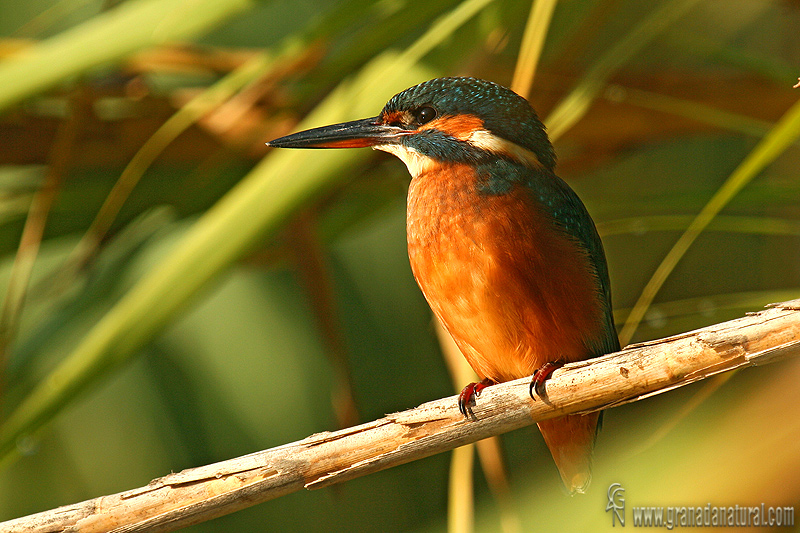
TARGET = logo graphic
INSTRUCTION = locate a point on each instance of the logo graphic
(616, 503)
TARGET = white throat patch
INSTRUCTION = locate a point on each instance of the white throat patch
(416, 162)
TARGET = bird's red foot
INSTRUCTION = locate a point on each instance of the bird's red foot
(467, 397)
(540, 376)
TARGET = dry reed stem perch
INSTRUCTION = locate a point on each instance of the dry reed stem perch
(638, 371)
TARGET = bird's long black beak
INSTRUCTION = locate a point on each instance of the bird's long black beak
(355, 134)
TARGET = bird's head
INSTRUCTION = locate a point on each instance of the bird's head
(459, 120)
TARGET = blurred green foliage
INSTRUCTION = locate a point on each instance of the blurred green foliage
(236, 286)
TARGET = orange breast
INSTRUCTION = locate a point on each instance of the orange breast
(512, 289)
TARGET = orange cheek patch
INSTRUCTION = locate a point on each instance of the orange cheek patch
(395, 117)
(459, 126)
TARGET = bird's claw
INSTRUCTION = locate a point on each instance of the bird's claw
(468, 394)
(541, 375)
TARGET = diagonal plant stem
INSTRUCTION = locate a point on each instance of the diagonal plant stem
(692, 110)
(49, 16)
(785, 132)
(108, 37)
(444, 25)
(313, 271)
(32, 232)
(572, 108)
(179, 122)
(532, 44)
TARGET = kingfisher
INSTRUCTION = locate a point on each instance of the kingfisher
(504, 251)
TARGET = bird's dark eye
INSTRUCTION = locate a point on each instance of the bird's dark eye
(425, 114)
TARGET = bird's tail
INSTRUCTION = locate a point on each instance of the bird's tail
(571, 441)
